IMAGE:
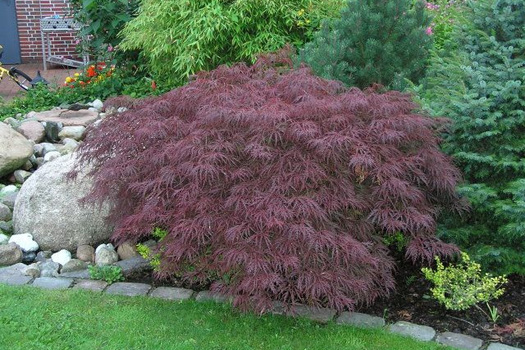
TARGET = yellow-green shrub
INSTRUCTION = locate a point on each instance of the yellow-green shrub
(458, 287)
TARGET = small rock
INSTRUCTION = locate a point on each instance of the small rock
(32, 130)
(32, 271)
(10, 254)
(51, 156)
(86, 253)
(28, 164)
(121, 109)
(8, 190)
(105, 256)
(97, 104)
(6, 227)
(28, 257)
(74, 265)
(21, 176)
(101, 246)
(69, 145)
(5, 213)
(134, 265)
(39, 161)
(38, 150)
(72, 132)
(25, 242)
(43, 255)
(12, 122)
(46, 148)
(61, 257)
(48, 268)
(3, 239)
(127, 250)
(9, 200)
(52, 130)
(93, 109)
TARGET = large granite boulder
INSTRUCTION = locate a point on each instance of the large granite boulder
(15, 150)
(48, 207)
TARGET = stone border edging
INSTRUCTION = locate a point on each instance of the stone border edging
(322, 315)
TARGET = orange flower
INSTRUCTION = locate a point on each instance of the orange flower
(91, 71)
(153, 85)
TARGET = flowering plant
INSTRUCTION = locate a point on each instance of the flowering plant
(93, 74)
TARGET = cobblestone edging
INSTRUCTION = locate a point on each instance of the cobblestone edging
(12, 276)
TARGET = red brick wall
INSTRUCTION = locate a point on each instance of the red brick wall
(29, 13)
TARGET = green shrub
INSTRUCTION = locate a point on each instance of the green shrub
(445, 15)
(103, 20)
(480, 86)
(179, 38)
(145, 251)
(108, 273)
(38, 98)
(374, 41)
(462, 286)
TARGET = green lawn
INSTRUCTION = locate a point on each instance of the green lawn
(31, 318)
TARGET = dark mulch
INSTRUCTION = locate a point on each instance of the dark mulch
(411, 302)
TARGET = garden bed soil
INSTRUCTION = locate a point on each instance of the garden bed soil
(411, 302)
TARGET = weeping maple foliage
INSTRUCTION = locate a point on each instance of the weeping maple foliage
(275, 184)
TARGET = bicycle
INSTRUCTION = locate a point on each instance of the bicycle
(20, 78)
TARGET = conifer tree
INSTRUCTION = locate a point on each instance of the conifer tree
(481, 87)
(374, 41)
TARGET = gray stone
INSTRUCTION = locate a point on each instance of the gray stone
(25, 242)
(32, 130)
(76, 274)
(129, 289)
(9, 200)
(72, 132)
(86, 253)
(97, 104)
(3, 239)
(360, 320)
(69, 145)
(92, 285)
(14, 275)
(15, 150)
(422, 333)
(10, 254)
(51, 156)
(6, 227)
(459, 341)
(321, 315)
(28, 257)
(52, 129)
(127, 250)
(14, 123)
(21, 175)
(48, 207)
(171, 293)
(68, 117)
(62, 257)
(43, 255)
(47, 148)
(73, 265)
(134, 265)
(48, 268)
(8, 190)
(53, 283)
(32, 271)
(105, 256)
(28, 165)
(499, 346)
(5, 213)
(206, 295)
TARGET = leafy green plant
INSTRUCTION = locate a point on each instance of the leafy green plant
(38, 98)
(178, 38)
(461, 286)
(103, 20)
(445, 15)
(479, 85)
(145, 251)
(374, 41)
(108, 273)
(493, 313)
(396, 240)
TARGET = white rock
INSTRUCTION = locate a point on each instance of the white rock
(51, 156)
(61, 257)
(3, 239)
(97, 104)
(105, 256)
(92, 109)
(101, 246)
(25, 242)
(72, 132)
(8, 190)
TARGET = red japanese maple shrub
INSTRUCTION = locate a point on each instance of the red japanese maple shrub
(275, 184)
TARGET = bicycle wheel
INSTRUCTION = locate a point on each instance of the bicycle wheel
(22, 79)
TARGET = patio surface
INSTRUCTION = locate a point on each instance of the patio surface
(55, 74)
